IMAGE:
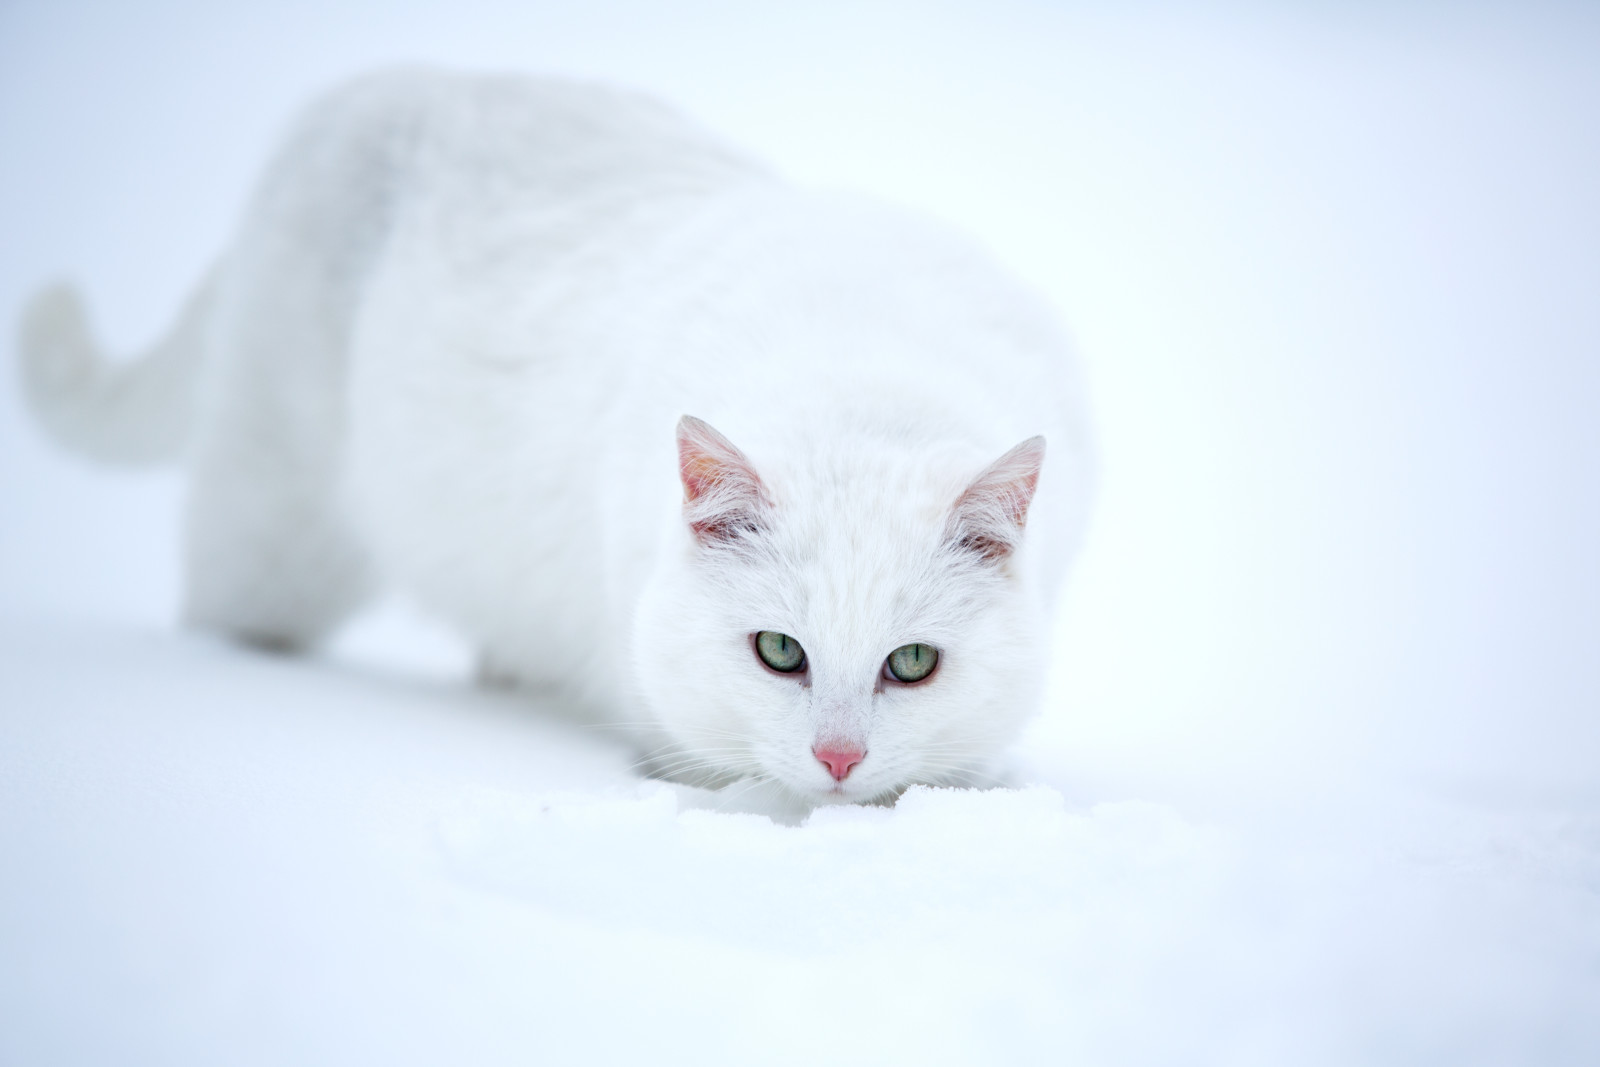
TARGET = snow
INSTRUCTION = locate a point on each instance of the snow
(215, 856)
(1315, 784)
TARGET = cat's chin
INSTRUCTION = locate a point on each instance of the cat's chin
(886, 796)
(844, 793)
(883, 798)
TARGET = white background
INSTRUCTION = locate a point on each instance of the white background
(1335, 273)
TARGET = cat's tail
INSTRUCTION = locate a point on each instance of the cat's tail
(132, 412)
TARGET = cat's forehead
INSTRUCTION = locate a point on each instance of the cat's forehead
(864, 516)
(845, 482)
(860, 558)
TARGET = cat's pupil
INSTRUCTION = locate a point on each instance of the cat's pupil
(780, 651)
(912, 663)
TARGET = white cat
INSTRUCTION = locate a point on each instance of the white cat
(447, 350)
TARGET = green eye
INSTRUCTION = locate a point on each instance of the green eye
(780, 651)
(911, 663)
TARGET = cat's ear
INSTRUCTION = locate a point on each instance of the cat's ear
(722, 495)
(988, 517)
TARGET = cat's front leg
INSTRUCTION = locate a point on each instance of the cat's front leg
(492, 672)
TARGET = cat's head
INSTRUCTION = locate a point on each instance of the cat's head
(844, 623)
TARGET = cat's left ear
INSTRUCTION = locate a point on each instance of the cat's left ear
(988, 517)
(723, 498)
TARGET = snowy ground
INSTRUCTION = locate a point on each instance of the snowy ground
(1316, 782)
(214, 856)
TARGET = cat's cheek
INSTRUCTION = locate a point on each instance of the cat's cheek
(955, 728)
(658, 654)
(698, 679)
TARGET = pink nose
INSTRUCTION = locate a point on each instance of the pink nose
(839, 761)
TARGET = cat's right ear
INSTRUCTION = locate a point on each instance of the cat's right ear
(988, 518)
(723, 497)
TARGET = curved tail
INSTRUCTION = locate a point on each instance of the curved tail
(134, 412)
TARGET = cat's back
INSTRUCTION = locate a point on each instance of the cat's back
(455, 153)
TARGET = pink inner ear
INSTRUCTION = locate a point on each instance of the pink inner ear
(722, 495)
(989, 515)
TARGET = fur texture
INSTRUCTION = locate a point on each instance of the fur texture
(448, 350)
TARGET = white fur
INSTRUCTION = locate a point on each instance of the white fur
(447, 351)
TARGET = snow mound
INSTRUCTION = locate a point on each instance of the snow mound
(958, 869)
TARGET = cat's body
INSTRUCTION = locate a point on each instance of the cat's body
(447, 351)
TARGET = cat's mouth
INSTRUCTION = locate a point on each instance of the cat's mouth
(833, 772)
(842, 794)
(867, 789)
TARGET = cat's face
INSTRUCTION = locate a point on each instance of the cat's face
(846, 630)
